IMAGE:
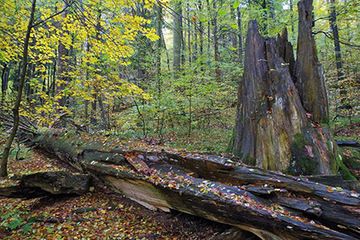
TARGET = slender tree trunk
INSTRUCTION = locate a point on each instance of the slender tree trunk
(240, 35)
(5, 155)
(159, 42)
(233, 36)
(62, 65)
(93, 119)
(53, 83)
(216, 46)
(86, 48)
(208, 33)
(158, 9)
(338, 57)
(183, 42)
(195, 43)
(201, 29)
(103, 113)
(177, 37)
(292, 20)
(4, 82)
(17, 76)
(188, 32)
(272, 10)
(96, 96)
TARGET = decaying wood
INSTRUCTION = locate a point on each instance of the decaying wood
(269, 204)
(282, 109)
(353, 144)
(47, 183)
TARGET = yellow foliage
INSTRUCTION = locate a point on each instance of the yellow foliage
(102, 43)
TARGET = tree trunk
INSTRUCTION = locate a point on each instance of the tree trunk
(335, 31)
(188, 33)
(177, 37)
(280, 110)
(268, 204)
(201, 33)
(159, 24)
(5, 155)
(104, 121)
(4, 82)
(208, 62)
(216, 45)
(309, 73)
(62, 65)
(240, 35)
(338, 57)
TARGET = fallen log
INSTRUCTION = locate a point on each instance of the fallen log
(353, 144)
(269, 204)
(47, 183)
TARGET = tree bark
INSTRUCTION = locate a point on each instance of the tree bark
(47, 183)
(216, 45)
(309, 72)
(281, 105)
(240, 35)
(5, 155)
(4, 82)
(177, 37)
(268, 204)
(201, 33)
(337, 48)
(158, 9)
(62, 64)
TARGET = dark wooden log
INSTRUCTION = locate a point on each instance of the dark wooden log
(47, 183)
(269, 204)
(353, 144)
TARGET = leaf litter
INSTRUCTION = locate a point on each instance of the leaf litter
(98, 214)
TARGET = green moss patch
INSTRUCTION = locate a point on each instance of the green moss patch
(301, 163)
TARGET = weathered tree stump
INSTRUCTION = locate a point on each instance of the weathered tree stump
(282, 113)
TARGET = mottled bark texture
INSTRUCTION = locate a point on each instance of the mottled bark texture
(48, 183)
(271, 205)
(282, 105)
(309, 74)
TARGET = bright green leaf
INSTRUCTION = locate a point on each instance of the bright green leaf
(222, 13)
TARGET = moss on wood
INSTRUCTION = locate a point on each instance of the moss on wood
(302, 163)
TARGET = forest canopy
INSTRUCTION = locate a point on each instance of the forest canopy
(149, 69)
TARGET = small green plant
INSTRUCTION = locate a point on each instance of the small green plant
(14, 220)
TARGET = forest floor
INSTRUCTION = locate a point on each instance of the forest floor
(100, 213)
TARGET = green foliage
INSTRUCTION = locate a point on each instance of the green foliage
(15, 219)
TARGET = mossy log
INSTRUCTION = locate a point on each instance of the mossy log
(282, 114)
(269, 204)
(47, 183)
